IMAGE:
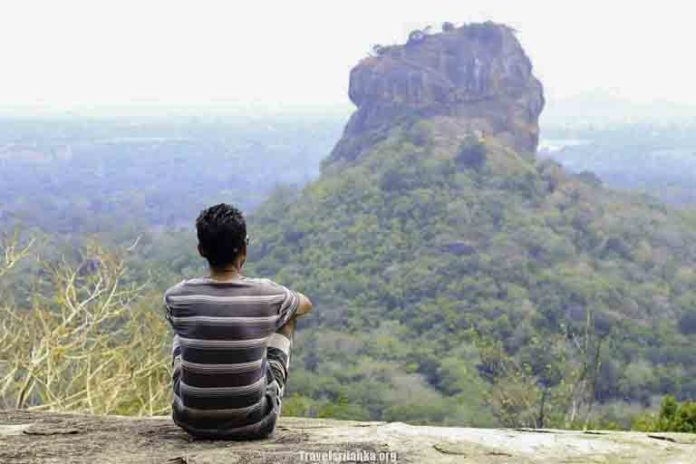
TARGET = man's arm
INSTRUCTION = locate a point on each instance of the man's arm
(303, 307)
(294, 304)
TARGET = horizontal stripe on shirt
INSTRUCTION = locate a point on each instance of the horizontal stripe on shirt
(223, 391)
(221, 344)
(197, 298)
(223, 356)
(219, 413)
(223, 368)
(250, 429)
(224, 402)
(200, 331)
(225, 319)
(238, 379)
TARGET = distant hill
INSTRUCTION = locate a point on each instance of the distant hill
(459, 279)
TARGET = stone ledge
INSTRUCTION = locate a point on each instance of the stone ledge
(31, 437)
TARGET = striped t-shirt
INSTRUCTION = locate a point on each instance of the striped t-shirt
(221, 378)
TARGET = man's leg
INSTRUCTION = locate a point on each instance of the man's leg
(278, 353)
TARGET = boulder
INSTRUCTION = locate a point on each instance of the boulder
(477, 73)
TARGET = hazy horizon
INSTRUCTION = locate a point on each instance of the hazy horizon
(276, 57)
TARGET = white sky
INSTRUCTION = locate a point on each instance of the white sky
(64, 54)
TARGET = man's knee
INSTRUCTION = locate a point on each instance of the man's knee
(288, 329)
(278, 355)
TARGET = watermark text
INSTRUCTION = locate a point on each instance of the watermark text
(352, 455)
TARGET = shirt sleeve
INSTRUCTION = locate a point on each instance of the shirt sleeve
(288, 306)
(167, 310)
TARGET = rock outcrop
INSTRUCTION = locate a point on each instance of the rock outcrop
(58, 438)
(477, 73)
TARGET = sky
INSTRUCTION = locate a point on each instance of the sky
(64, 55)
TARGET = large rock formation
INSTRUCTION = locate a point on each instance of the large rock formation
(477, 73)
(58, 438)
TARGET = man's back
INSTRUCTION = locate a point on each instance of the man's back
(229, 363)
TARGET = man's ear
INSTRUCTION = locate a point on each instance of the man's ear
(201, 251)
(243, 255)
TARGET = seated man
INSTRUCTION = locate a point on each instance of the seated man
(232, 337)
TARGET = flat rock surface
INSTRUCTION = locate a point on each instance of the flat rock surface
(62, 438)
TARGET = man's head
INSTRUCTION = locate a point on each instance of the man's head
(222, 236)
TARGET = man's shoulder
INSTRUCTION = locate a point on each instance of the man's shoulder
(248, 285)
(260, 281)
(175, 288)
(264, 284)
(185, 286)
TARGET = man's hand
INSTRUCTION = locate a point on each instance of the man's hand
(305, 305)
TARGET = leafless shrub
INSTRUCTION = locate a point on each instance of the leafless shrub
(91, 344)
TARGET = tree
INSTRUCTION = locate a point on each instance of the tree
(12, 251)
(687, 323)
(378, 49)
(90, 343)
(416, 36)
(672, 417)
(471, 154)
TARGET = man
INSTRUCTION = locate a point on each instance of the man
(232, 337)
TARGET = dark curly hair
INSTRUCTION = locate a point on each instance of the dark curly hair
(221, 234)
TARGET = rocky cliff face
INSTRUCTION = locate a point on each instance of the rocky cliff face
(477, 73)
